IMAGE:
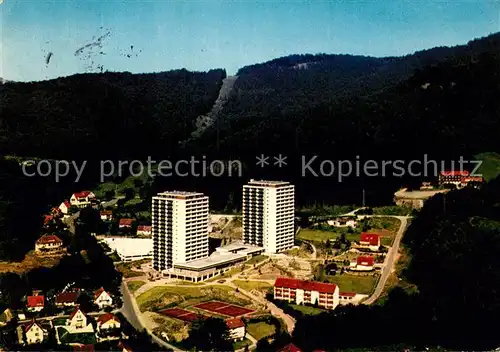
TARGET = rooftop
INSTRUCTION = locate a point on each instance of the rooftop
(266, 183)
(179, 195)
(305, 285)
(216, 259)
(126, 247)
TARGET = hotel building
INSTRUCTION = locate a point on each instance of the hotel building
(179, 228)
(268, 215)
(311, 292)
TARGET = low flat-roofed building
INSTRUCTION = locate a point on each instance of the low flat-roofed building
(131, 249)
(223, 259)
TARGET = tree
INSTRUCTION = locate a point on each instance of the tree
(73, 209)
(210, 334)
(129, 193)
(109, 195)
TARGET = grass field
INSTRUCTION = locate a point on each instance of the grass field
(307, 309)
(490, 168)
(241, 344)
(260, 330)
(353, 283)
(386, 241)
(384, 223)
(128, 269)
(319, 235)
(252, 285)
(135, 285)
(162, 295)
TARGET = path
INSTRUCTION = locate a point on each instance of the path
(390, 258)
(133, 314)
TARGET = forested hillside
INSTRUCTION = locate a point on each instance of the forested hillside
(454, 245)
(109, 115)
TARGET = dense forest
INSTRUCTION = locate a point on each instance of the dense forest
(454, 303)
(442, 102)
(108, 115)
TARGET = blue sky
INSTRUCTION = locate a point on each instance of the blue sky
(152, 36)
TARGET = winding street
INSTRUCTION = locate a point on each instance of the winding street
(390, 259)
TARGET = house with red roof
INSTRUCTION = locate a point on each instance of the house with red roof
(82, 199)
(310, 292)
(78, 322)
(452, 177)
(35, 303)
(236, 328)
(31, 333)
(47, 219)
(106, 215)
(346, 297)
(83, 348)
(363, 263)
(102, 298)
(125, 223)
(144, 230)
(64, 207)
(370, 241)
(67, 299)
(474, 181)
(48, 243)
(290, 348)
(107, 322)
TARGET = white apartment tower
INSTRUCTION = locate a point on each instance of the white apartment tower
(268, 215)
(179, 228)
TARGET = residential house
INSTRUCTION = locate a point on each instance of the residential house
(236, 328)
(31, 333)
(102, 298)
(56, 212)
(82, 199)
(364, 263)
(106, 215)
(474, 181)
(125, 223)
(343, 222)
(64, 207)
(370, 241)
(346, 297)
(290, 348)
(144, 230)
(107, 323)
(66, 299)
(83, 348)
(48, 243)
(312, 292)
(35, 303)
(78, 322)
(48, 219)
(452, 177)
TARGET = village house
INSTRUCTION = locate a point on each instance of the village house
(108, 323)
(35, 303)
(64, 207)
(125, 223)
(82, 199)
(83, 347)
(48, 219)
(346, 296)
(452, 177)
(311, 292)
(66, 299)
(343, 222)
(144, 230)
(236, 328)
(31, 333)
(474, 181)
(78, 322)
(102, 298)
(370, 241)
(48, 243)
(106, 215)
(363, 263)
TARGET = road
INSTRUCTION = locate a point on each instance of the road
(390, 259)
(131, 311)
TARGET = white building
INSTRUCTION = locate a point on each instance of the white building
(236, 328)
(179, 228)
(33, 331)
(310, 292)
(131, 249)
(102, 298)
(268, 215)
(82, 199)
